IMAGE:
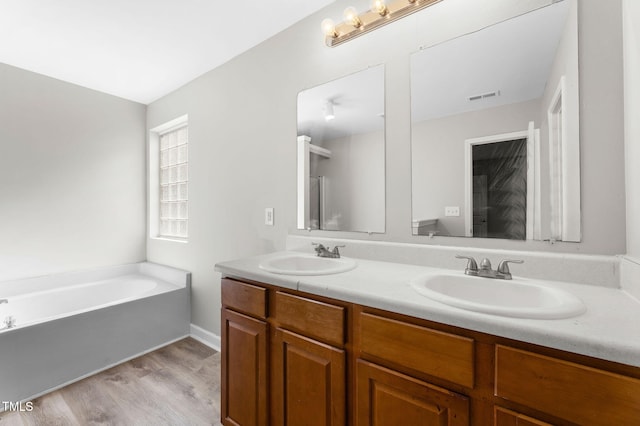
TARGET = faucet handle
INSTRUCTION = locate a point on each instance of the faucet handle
(9, 322)
(319, 248)
(485, 264)
(472, 266)
(503, 267)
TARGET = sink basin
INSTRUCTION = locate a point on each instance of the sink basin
(306, 264)
(511, 298)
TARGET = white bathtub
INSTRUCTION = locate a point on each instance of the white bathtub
(69, 326)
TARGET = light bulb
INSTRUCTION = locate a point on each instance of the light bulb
(329, 28)
(328, 111)
(379, 7)
(351, 16)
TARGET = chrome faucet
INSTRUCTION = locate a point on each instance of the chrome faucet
(9, 322)
(485, 271)
(3, 301)
(325, 252)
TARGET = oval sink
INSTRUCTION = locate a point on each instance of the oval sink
(511, 298)
(306, 264)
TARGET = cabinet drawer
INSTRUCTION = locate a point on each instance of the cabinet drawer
(567, 390)
(321, 321)
(246, 298)
(433, 352)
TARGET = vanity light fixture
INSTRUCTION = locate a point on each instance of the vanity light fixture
(329, 28)
(380, 7)
(351, 17)
(380, 14)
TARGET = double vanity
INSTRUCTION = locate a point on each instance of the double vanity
(319, 340)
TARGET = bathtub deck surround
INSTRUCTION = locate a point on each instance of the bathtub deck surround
(70, 326)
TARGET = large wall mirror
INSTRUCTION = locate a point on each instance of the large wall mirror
(495, 131)
(341, 154)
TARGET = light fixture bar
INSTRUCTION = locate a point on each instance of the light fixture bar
(371, 19)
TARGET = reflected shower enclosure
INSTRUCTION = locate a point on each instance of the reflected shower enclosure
(341, 154)
(500, 189)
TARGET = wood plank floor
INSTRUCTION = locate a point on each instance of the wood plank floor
(175, 385)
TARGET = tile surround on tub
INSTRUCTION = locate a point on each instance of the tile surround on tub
(596, 270)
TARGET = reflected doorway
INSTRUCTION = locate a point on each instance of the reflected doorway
(500, 189)
(500, 185)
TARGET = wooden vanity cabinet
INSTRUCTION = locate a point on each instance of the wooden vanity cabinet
(284, 357)
(396, 360)
(566, 389)
(504, 417)
(291, 358)
(244, 354)
(308, 362)
(388, 397)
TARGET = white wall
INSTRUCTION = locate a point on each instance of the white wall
(72, 173)
(632, 123)
(242, 119)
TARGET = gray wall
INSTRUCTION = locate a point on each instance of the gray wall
(632, 124)
(438, 157)
(242, 119)
(72, 176)
(354, 182)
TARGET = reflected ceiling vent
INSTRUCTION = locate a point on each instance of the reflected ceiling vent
(484, 96)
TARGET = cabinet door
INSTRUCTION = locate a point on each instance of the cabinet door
(504, 417)
(308, 381)
(387, 398)
(244, 370)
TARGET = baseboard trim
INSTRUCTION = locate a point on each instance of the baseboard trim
(206, 337)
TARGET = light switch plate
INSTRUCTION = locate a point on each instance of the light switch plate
(268, 216)
(452, 211)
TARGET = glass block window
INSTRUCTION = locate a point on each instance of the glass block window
(174, 183)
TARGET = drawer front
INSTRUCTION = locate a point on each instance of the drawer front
(433, 352)
(243, 297)
(318, 320)
(567, 390)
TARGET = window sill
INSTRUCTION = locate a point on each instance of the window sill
(175, 240)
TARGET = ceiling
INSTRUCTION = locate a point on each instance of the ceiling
(513, 58)
(138, 49)
(358, 105)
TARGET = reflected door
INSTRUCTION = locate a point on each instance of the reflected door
(499, 189)
(480, 206)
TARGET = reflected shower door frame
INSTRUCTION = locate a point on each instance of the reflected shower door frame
(533, 222)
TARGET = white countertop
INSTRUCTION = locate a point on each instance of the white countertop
(609, 329)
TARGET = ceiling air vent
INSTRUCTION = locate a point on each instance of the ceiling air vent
(484, 96)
